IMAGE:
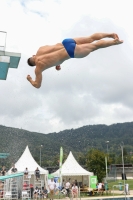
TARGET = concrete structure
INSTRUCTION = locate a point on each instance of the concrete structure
(7, 59)
(116, 171)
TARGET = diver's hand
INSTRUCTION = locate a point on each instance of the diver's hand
(29, 78)
(58, 67)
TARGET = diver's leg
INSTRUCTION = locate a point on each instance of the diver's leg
(95, 36)
(84, 49)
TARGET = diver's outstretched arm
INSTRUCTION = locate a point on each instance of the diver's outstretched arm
(38, 79)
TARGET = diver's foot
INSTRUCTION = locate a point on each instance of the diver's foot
(114, 36)
(117, 41)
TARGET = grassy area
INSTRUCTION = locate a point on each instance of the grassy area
(110, 186)
(130, 182)
(85, 194)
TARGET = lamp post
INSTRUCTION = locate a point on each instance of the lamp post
(121, 145)
(107, 142)
(106, 159)
(40, 154)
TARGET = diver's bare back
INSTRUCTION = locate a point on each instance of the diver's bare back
(49, 56)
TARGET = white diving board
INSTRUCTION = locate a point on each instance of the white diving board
(7, 60)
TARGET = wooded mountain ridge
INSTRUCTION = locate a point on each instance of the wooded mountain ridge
(79, 141)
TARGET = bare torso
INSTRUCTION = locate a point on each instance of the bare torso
(49, 56)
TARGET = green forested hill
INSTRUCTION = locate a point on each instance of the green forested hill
(80, 140)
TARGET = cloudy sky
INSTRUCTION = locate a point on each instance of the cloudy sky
(97, 89)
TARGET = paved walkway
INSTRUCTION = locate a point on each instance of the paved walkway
(119, 193)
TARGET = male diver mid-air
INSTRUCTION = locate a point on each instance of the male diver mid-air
(49, 56)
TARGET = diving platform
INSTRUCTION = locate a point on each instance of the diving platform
(4, 155)
(7, 59)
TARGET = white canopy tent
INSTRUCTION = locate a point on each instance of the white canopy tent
(26, 160)
(71, 168)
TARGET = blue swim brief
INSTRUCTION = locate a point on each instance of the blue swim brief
(69, 45)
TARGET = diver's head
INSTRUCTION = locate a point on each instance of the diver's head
(31, 61)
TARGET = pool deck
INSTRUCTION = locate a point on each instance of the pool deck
(107, 197)
(120, 194)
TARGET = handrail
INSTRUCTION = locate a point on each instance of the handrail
(5, 40)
